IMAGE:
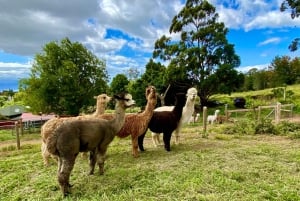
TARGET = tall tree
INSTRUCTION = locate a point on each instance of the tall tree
(119, 84)
(294, 7)
(64, 78)
(202, 47)
(154, 75)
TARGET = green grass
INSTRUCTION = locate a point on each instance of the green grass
(220, 167)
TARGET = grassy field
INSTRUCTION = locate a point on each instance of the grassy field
(220, 167)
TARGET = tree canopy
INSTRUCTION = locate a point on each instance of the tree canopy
(64, 78)
(201, 49)
(294, 7)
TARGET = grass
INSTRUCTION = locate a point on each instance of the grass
(220, 167)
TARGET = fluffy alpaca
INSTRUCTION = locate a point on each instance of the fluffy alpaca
(212, 118)
(165, 122)
(194, 118)
(82, 135)
(49, 127)
(187, 113)
(136, 124)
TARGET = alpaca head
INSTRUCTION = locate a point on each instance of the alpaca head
(125, 99)
(102, 99)
(150, 92)
(192, 94)
(217, 112)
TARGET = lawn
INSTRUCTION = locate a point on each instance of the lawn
(220, 167)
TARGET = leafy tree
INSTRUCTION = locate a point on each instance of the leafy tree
(64, 78)
(133, 73)
(201, 49)
(284, 72)
(119, 84)
(294, 8)
(154, 75)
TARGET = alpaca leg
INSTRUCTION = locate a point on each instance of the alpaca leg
(66, 166)
(167, 139)
(92, 161)
(134, 141)
(155, 139)
(141, 142)
(45, 154)
(101, 159)
(177, 135)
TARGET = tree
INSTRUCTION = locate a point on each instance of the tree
(119, 84)
(154, 75)
(286, 71)
(64, 78)
(201, 50)
(294, 7)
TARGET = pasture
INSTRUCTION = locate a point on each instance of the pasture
(219, 167)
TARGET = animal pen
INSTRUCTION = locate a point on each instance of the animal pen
(273, 112)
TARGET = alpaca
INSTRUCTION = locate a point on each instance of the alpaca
(187, 113)
(48, 128)
(165, 122)
(85, 134)
(136, 124)
(194, 118)
(212, 118)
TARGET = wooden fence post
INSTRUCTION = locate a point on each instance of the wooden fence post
(204, 121)
(17, 134)
(277, 113)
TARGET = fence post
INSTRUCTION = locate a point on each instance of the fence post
(277, 113)
(259, 113)
(226, 113)
(204, 121)
(17, 134)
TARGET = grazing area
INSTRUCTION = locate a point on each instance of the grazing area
(220, 167)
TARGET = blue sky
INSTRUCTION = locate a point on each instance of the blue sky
(123, 32)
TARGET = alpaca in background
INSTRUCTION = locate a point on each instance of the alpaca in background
(165, 122)
(187, 113)
(194, 118)
(212, 118)
(49, 127)
(82, 135)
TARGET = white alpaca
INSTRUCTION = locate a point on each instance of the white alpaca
(187, 112)
(194, 119)
(212, 118)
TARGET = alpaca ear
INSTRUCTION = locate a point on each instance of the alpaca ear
(95, 97)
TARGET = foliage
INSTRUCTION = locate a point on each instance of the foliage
(294, 8)
(64, 78)
(119, 84)
(281, 72)
(154, 75)
(265, 126)
(201, 50)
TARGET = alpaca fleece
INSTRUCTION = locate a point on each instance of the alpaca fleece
(85, 134)
(165, 122)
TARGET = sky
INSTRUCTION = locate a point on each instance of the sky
(123, 32)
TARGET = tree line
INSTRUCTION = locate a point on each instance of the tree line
(65, 75)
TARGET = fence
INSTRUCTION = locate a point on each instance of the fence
(276, 110)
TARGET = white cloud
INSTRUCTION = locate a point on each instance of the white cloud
(245, 69)
(274, 40)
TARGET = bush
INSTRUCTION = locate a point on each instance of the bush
(265, 127)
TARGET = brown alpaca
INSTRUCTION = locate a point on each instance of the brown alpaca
(49, 127)
(136, 124)
(82, 135)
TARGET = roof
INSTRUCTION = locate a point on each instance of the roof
(26, 116)
(12, 111)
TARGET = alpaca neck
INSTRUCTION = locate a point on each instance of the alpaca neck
(119, 119)
(150, 107)
(100, 109)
